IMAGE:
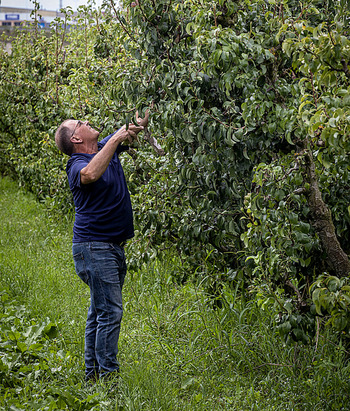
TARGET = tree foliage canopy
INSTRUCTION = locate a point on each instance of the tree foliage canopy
(249, 101)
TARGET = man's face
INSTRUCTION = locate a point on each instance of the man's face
(83, 130)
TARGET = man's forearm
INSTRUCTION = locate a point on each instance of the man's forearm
(98, 165)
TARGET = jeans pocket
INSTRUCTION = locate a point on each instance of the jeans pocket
(80, 267)
(97, 246)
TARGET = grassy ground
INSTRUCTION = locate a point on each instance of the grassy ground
(176, 352)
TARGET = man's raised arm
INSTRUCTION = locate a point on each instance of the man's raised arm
(98, 165)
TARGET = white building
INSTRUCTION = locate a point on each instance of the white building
(16, 17)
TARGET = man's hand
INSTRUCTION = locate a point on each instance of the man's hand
(129, 134)
(142, 121)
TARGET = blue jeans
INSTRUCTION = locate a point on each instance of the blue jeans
(102, 266)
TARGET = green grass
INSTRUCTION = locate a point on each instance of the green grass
(176, 351)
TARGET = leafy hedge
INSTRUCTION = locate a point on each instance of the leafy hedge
(250, 102)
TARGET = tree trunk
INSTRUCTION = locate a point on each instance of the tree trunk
(338, 260)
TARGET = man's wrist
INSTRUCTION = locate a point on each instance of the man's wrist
(117, 139)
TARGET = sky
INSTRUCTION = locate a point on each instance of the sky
(46, 4)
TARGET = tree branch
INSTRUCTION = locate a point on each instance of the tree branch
(345, 68)
(323, 224)
(121, 23)
(153, 142)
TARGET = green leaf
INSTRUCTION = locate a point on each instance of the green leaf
(22, 346)
(333, 284)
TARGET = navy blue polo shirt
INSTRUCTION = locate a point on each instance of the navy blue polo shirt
(102, 209)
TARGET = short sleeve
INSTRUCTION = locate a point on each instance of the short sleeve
(121, 147)
(74, 166)
(102, 143)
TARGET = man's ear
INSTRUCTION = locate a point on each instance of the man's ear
(76, 139)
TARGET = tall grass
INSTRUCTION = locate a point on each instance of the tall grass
(176, 351)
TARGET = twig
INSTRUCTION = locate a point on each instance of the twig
(121, 23)
(63, 35)
(154, 143)
(79, 97)
(281, 12)
(302, 11)
(345, 68)
(290, 171)
(330, 34)
(295, 289)
(313, 88)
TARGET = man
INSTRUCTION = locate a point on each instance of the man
(103, 223)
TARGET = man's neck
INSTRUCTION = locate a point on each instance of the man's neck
(86, 148)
